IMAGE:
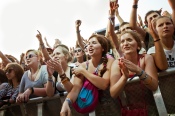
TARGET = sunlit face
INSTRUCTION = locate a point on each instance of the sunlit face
(94, 47)
(59, 55)
(78, 52)
(128, 43)
(10, 73)
(125, 27)
(152, 17)
(164, 27)
(31, 58)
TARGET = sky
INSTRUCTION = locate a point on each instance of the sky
(20, 20)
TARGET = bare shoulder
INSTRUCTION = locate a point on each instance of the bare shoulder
(84, 64)
(148, 57)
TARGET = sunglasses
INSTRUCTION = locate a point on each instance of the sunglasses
(30, 56)
(8, 71)
(78, 50)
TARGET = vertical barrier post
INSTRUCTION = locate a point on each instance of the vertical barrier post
(40, 109)
(159, 103)
(23, 109)
(2, 112)
(92, 113)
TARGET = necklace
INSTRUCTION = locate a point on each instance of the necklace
(33, 77)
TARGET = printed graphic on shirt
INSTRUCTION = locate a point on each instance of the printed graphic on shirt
(171, 61)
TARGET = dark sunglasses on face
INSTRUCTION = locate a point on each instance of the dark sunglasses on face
(78, 50)
(8, 71)
(30, 56)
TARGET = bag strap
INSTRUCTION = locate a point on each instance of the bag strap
(96, 70)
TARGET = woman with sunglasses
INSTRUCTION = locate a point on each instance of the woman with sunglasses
(79, 56)
(96, 71)
(34, 80)
(9, 92)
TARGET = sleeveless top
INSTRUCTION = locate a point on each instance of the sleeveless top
(107, 106)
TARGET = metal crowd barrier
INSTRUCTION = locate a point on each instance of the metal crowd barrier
(160, 102)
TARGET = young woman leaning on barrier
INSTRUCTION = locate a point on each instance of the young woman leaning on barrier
(97, 72)
(10, 91)
(34, 81)
(132, 64)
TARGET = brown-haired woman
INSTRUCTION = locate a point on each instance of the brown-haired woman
(14, 74)
(97, 49)
(132, 64)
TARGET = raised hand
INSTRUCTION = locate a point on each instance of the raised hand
(113, 7)
(39, 36)
(77, 23)
(152, 29)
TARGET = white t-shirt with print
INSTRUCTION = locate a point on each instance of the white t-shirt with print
(170, 55)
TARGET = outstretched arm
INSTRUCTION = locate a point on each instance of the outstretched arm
(42, 46)
(79, 38)
(111, 28)
(133, 20)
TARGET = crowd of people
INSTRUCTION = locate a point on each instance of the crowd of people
(94, 72)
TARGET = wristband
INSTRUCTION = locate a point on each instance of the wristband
(69, 101)
(31, 88)
(135, 6)
(113, 16)
(156, 40)
(50, 79)
(146, 76)
(78, 31)
(42, 46)
(63, 76)
(140, 73)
